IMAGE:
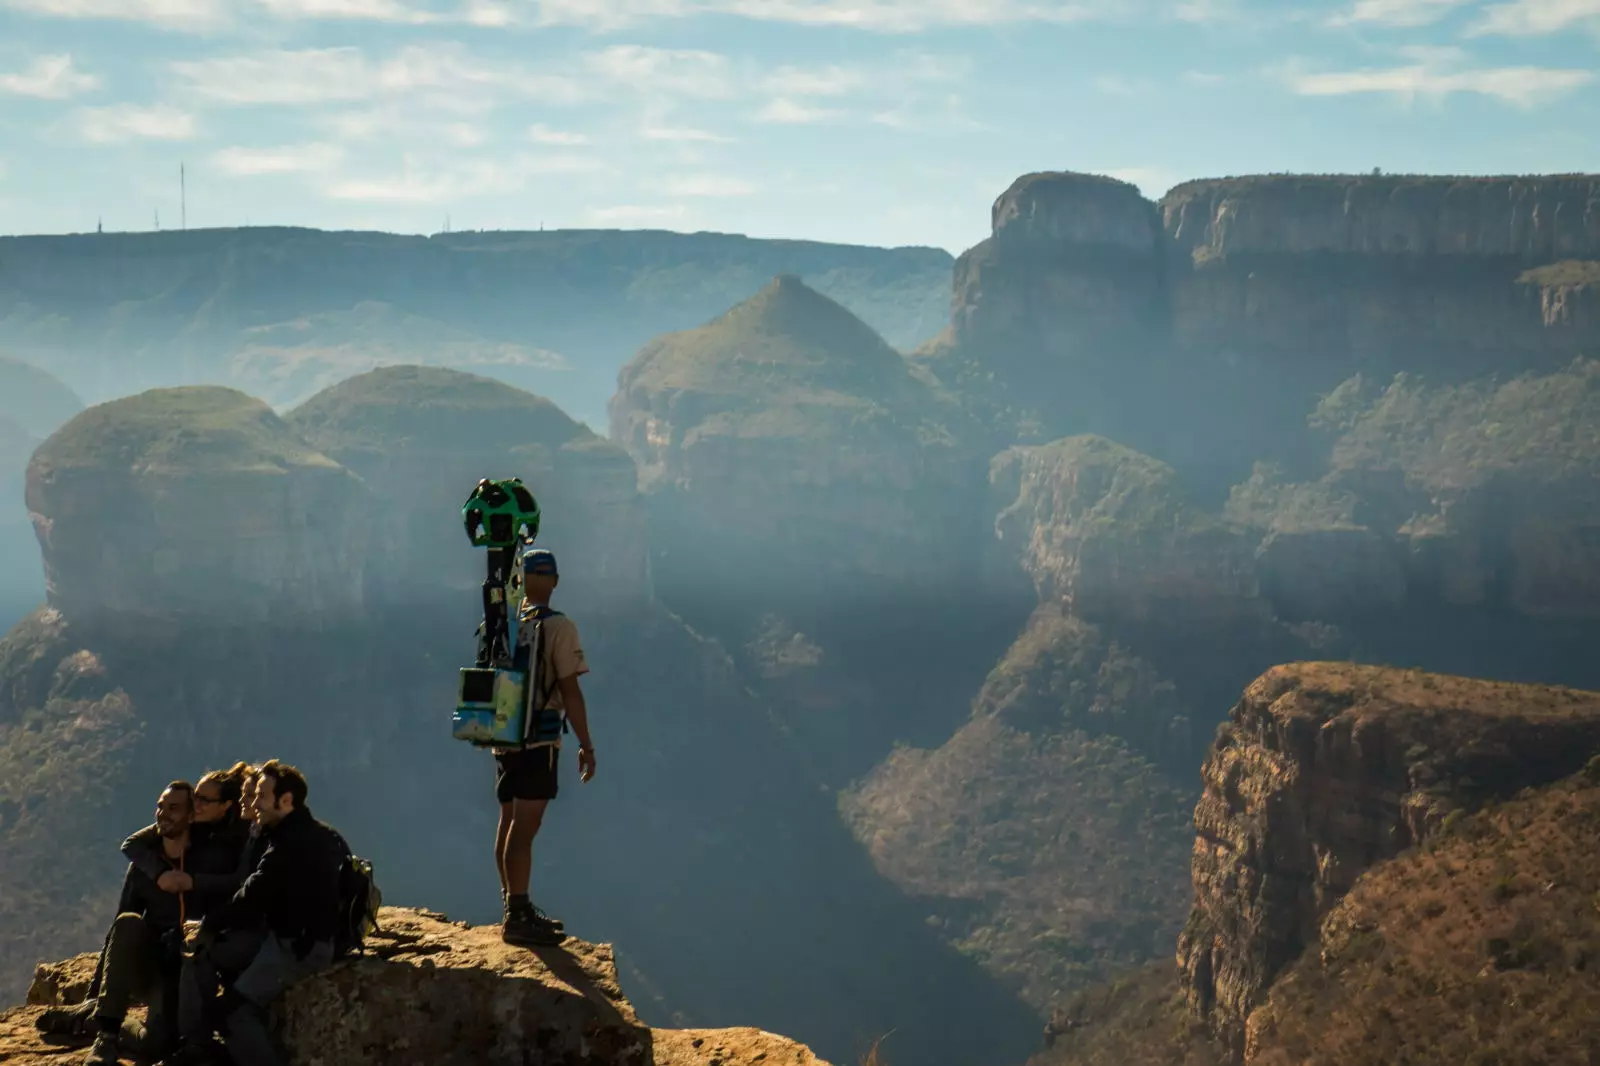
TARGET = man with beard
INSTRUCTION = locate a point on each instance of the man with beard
(142, 952)
(219, 958)
(288, 908)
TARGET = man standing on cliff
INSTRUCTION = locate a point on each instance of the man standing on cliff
(547, 646)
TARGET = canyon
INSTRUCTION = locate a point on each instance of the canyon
(915, 664)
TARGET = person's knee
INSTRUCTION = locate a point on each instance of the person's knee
(127, 923)
(526, 826)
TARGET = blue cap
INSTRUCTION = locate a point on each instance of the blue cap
(539, 561)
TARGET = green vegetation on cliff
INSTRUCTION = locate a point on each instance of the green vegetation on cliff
(1544, 427)
(1479, 947)
(196, 428)
(67, 736)
(786, 345)
(424, 408)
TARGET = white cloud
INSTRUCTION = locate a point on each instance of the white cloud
(636, 214)
(664, 71)
(130, 122)
(1433, 77)
(49, 77)
(175, 14)
(1200, 77)
(1531, 18)
(207, 15)
(310, 158)
(893, 86)
(451, 179)
(683, 133)
(887, 16)
(1397, 12)
(345, 75)
(823, 81)
(542, 134)
(377, 10)
(785, 112)
(436, 125)
(715, 185)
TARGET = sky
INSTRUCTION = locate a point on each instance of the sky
(884, 122)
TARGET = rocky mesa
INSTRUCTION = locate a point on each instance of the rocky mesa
(1202, 328)
(1325, 771)
(439, 993)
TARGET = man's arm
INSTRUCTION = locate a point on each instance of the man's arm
(143, 849)
(266, 884)
(577, 709)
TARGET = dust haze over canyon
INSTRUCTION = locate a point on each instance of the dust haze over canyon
(917, 590)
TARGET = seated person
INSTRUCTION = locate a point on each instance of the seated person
(212, 867)
(283, 918)
(142, 953)
(218, 830)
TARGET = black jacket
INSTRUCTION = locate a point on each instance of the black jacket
(218, 860)
(294, 890)
(140, 895)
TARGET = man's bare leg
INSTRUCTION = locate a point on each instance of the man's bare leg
(516, 856)
(502, 834)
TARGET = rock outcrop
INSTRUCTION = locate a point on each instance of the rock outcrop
(1203, 328)
(1481, 945)
(785, 447)
(1544, 218)
(786, 430)
(1325, 770)
(1062, 303)
(439, 993)
(1110, 533)
(194, 500)
(1043, 837)
(1480, 495)
(421, 437)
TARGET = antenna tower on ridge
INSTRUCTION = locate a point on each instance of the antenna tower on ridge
(183, 199)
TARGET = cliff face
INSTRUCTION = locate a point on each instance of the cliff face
(1062, 302)
(785, 447)
(1325, 770)
(1479, 496)
(1537, 218)
(1391, 273)
(566, 1002)
(420, 437)
(787, 428)
(1479, 945)
(1203, 336)
(1109, 532)
(194, 500)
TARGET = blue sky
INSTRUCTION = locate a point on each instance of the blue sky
(870, 121)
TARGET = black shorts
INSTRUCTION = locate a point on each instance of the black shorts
(526, 775)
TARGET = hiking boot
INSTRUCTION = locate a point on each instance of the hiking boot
(77, 1020)
(524, 929)
(540, 916)
(104, 1052)
(554, 923)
